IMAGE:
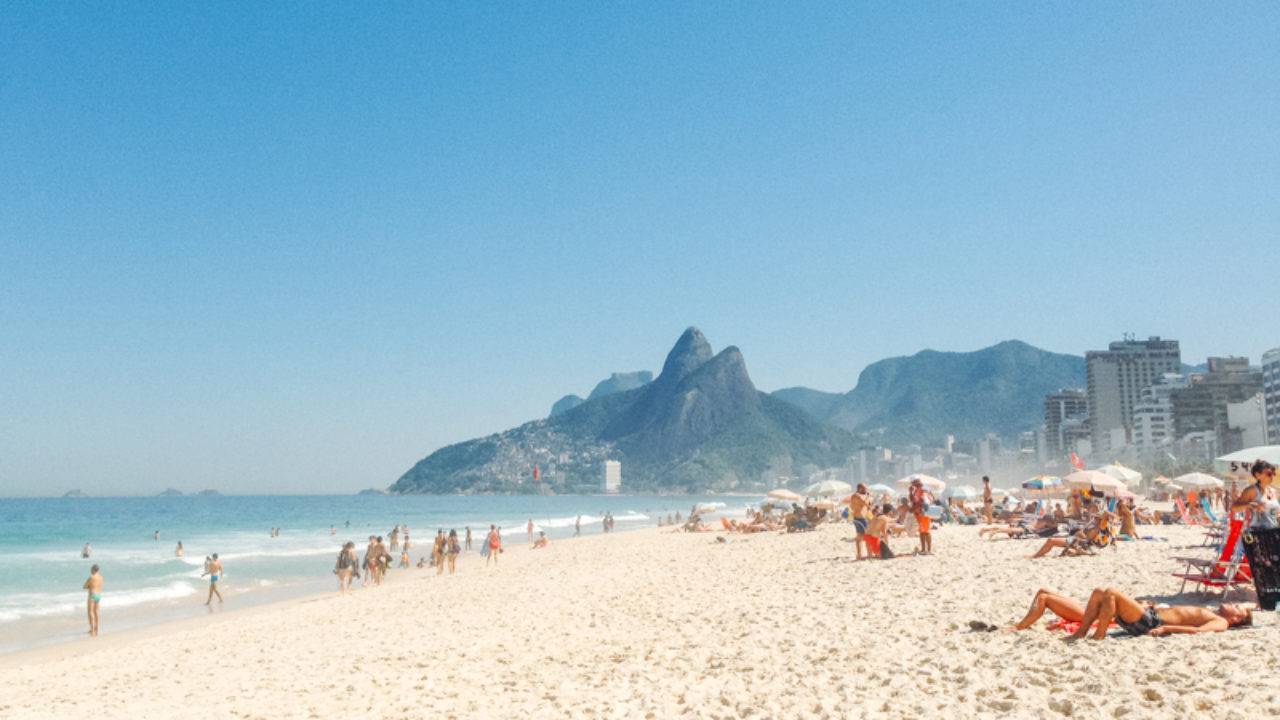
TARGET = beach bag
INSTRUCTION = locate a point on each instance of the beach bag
(1262, 547)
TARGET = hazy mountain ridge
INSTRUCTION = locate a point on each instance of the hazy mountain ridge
(923, 397)
(615, 383)
(700, 425)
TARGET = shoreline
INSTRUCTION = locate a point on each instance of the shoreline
(659, 623)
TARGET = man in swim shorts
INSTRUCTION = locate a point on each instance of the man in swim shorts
(1135, 618)
(877, 535)
(215, 574)
(860, 511)
(988, 501)
(94, 586)
(919, 500)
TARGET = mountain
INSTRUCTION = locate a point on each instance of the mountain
(615, 383)
(170, 492)
(76, 493)
(924, 397)
(700, 425)
(565, 404)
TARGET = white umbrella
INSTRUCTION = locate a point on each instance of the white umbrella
(1238, 463)
(1094, 479)
(932, 484)
(1197, 481)
(999, 492)
(1122, 473)
(964, 492)
(881, 489)
(785, 495)
(829, 489)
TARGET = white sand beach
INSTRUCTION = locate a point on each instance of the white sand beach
(656, 624)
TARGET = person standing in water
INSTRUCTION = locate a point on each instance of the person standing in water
(86, 551)
(94, 586)
(468, 537)
(157, 535)
(577, 526)
(529, 530)
(214, 572)
(178, 551)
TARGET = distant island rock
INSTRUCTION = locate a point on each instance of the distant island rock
(209, 493)
(170, 492)
(612, 385)
(372, 491)
(76, 493)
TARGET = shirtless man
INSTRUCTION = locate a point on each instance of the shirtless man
(877, 535)
(860, 511)
(988, 501)
(94, 586)
(541, 541)
(214, 572)
(1137, 619)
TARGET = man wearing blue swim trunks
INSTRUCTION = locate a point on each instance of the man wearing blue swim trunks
(214, 571)
(860, 511)
(94, 586)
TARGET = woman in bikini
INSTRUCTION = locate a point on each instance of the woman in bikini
(346, 566)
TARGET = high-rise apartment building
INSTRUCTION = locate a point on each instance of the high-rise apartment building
(1059, 409)
(611, 480)
(1201, 407)
(1117, 376)
(1153, 416)
(1271, 393)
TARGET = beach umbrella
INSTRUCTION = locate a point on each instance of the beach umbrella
(829, 489)
(785, 495)
(824, 505)
(1043, 482)
(1197, 481)
(1122, 473)
(932, 484)
(1161, 480)
(881, 489)
(1125, 495)
(1094, 479)
(1237, 464)
(964, 492)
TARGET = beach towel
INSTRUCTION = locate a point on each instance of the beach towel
(1069, 626)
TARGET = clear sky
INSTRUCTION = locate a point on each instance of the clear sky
(294, 248)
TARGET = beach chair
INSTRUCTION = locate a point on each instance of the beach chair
(1208, 511)
(1181, 507)
(1228, 570)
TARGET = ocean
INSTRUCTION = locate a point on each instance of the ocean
(41, 569)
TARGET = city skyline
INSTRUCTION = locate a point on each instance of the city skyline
(264, 250)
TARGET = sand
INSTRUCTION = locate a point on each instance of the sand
(655, 624)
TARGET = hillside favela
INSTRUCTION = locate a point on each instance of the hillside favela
(639, 361)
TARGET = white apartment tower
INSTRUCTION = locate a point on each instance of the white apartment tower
(611, 479)
(1117, 376)
(1153, 415)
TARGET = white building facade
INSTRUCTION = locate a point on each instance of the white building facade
(1271, 394)
(611, 479)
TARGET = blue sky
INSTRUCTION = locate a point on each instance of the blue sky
(294, 248)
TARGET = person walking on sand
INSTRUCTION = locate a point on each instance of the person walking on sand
(494, 544)
(454, 551)
(94, 586)
(988, 502)
(214, 572)
(346, 566)
(860, 511)
(577, 526)
(439, 550)
(468, 528)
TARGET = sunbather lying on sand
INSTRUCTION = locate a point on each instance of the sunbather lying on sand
(1044, 527)
(1136, 618)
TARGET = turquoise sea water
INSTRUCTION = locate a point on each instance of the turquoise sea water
(41, 571)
